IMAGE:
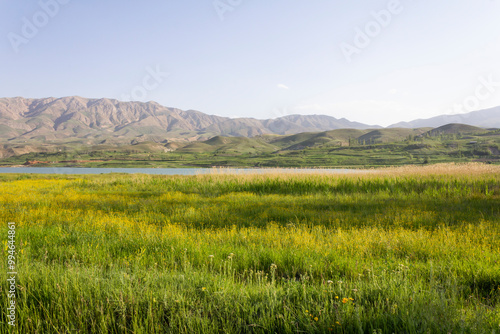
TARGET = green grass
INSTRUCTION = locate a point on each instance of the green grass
(412, 250)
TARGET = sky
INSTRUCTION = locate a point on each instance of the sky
(371, 61)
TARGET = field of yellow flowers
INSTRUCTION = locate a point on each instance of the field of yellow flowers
(399, 250)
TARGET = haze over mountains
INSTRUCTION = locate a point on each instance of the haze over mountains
(488, 118)
(108, 120)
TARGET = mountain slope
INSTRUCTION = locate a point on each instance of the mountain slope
(456, 129)
(92, 120)
(488, 118)
(390, 135)
(299, 123)
(230, 145)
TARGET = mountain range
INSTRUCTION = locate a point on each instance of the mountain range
(92, 121)
(488, 118)
(97, 120)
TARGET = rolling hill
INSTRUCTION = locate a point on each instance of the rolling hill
(230, 145)
(300, 141)
(453, 128)
(390, 135)
(344, 147)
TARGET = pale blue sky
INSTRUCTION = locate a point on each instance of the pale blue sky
(264, 59)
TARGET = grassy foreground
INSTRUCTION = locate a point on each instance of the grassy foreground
(406, 250)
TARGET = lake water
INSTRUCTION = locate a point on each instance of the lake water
(166, 171)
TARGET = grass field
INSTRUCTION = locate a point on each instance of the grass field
(400, 250)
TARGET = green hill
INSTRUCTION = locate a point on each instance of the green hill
(344, 134)
(345, 147)
(287, 141)
(196, 147)
(456, 129)
(391, 135)
(230, 145)
(339, 137)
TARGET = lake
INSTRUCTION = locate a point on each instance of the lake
(166, 171)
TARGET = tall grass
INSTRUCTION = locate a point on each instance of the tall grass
(404, 251)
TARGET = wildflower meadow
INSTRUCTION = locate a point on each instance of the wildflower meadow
(398, 250)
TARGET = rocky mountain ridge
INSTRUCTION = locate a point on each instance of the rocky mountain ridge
(97, 120)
